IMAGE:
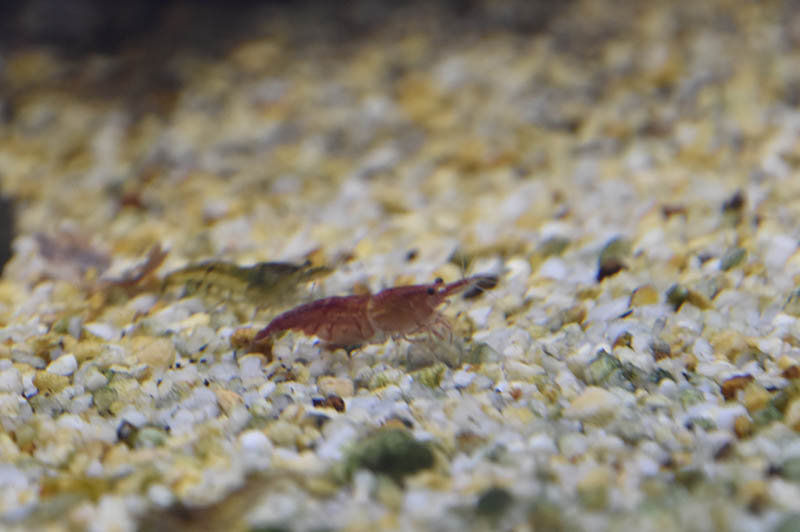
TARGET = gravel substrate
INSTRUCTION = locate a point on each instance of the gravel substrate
(629, 171)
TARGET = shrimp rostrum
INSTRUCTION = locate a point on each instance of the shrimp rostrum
(351, 321)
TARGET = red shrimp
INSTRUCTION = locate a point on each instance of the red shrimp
(351, 321)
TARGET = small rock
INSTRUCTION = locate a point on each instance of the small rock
(157, 353)
(677, 295)
(103, 399)
(462, 378)
(594, 403)
(103, 331)
(790, 469)
(732, 258)
(331, 401)
(243, 337)
(755, 397)
(392, 451)
(494, 502)
(600, 368)
(742, 426)
(254, 441)
(732, 385)
(644, 295)
(555, 245)
(792, 415)
(148, 437)
(228, 400)
(64, 365)
(792, 305)
(11, 381)
(660, 349)
(342, 387)
(50, 382)
(791, 372)
(283, 433)
(94, 380)
(611, 258)
(766, 415)
(790, 523)
(593, 488)
(431, 376)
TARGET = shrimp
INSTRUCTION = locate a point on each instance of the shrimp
(351, 321)
(267, 283)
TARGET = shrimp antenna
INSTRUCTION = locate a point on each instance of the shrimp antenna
(479, 283)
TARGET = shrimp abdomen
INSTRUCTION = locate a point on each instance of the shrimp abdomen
(337, 320)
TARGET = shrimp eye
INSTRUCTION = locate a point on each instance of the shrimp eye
(431, 291)
(438, 280)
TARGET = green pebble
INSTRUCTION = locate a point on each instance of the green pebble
(766, 415)
(702, 422)
(147, 437)
(103, 398)
(393, 452)
(553, 246)
(790, 523)
(732, 258)
(431, 376)
(494, 502)
(677, 295)
(600, 368)
(481, 353)
(660, 374)
(792, 305)
(790, 469)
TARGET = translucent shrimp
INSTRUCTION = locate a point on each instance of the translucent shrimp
(264, 283)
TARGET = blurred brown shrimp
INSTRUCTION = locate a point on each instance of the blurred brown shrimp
(264, 284)
(351, 321)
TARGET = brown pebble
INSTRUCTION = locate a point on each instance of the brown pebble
(672, 210)
(335, 402)
(623, 340)
(742, 427)
(644, 295)
(242, 337)
(735, 202)
(609, 267)
(660, 349)
(331, 401)
(792, 372)
(734, 384)
(516, 393)
(228, 400)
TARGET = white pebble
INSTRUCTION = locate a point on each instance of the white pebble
(63, 365)
(10, 381)
(779, 250)
(542, 443)
(593, 403)
(133, 416)
(254, 441)
(160, 495)
(11, 477)
(102, 330)
(95, 380)
(266, 389)
(722, 416)
(480, 315)
(553, 268)
(610, 310)
(462, 379)
(337, 437)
